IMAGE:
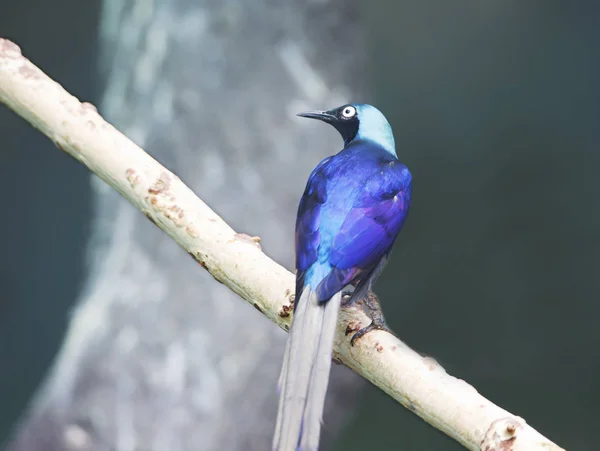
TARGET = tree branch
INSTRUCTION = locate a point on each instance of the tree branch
(236, 260)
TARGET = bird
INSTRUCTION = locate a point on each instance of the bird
(353, 207)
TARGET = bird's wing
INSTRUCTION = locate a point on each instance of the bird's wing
(373, 223)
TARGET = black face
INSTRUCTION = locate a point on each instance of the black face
(344, 119)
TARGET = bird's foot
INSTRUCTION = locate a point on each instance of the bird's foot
(372, 308)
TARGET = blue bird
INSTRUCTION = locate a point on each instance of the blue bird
(351, 212)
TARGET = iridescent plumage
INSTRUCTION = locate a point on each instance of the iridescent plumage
(354, 205)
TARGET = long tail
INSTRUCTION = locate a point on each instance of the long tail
(305, 373)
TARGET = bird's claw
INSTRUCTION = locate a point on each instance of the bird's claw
(378, 323)
(361, 332)
(372, 308)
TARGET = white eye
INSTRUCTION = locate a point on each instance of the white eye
(349, 112)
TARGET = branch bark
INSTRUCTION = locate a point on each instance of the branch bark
(236, 260)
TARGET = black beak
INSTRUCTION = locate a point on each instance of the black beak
(348, 128)
(324, 116)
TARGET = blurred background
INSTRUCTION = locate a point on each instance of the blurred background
(108, 330)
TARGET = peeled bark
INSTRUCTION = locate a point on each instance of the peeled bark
(157, 355)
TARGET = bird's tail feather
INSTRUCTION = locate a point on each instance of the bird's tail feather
(305, 373)
(313, 413)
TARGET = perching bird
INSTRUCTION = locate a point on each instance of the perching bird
(350, 214)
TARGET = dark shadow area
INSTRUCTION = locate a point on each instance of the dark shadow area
(45, 206)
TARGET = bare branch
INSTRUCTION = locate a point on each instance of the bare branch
(236, 260)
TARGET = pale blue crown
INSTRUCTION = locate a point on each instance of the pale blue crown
(373, 126)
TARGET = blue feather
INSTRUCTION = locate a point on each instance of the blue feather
(350, 214)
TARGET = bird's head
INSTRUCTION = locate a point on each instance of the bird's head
(358, 122)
